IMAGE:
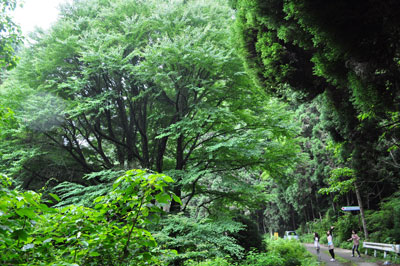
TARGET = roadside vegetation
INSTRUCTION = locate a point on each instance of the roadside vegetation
(183, 132)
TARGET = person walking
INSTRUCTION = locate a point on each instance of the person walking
(330, 244)
(356, 242)
(316, 244)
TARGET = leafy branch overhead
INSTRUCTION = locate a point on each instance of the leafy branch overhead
(10, 35)
(341, 181)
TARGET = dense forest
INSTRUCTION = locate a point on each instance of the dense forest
(187, 132)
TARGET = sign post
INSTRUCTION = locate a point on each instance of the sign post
(350, 208)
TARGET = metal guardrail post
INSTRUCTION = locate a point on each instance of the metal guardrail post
(383, 247)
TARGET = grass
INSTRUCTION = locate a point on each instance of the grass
(391, 258)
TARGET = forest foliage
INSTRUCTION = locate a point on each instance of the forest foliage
(110, 233)
(247, 117)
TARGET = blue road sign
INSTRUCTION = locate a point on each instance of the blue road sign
(350, 208)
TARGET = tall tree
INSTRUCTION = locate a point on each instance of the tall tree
(345, 50)
(153, 84)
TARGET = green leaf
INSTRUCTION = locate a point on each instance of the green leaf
(162, 197)
(176, 199)
(20, 234)
(168, 179)
(55, 197)
(25, 212)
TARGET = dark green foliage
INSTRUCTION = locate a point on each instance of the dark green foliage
(112, 233)
(345, 224)
(157, 84)
(347, 52)
(297, 201)
(199, 239)
(385, 223)
(79, 194)
(10, 35)
(281, 252)
(149, 84)
(313, 46)
(249, 237)
(382, 223)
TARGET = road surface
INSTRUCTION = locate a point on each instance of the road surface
(342, 255)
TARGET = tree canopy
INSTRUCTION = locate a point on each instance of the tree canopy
(345, 51)
(10, 35)
(262, 116)
(157, 85)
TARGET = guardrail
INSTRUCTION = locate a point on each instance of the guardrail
(383, 247)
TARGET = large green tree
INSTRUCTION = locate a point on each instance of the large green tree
(345, 50)
(149, 84)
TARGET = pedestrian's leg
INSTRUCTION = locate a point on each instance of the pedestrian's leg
(332, 253)
(359, 255)
(352, 250)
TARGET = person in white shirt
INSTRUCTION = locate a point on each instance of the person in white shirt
(330, 244)
(316, 243)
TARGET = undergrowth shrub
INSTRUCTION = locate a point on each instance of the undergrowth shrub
(249, 237)
(384, 224)
(198, 240)
(344, 225)
(210, 262)
(322, 226)
(278, 253)
(78, 194)
(281, 252)
(263, 259)
(112, 233)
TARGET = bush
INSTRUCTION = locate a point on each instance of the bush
(281, 252)
(307, 238)
(263, 259)
(198, 239)
(384, 224)
(290, 251)
(322, 226)
(210, 262)
(249, 237)
(30, 231)
(344, 226)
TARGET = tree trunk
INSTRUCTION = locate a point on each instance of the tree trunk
(360, 204)
(333, 203)
(176, 207)
(312, 209)
(293, 222)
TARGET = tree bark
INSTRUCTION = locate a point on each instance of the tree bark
(360, 204)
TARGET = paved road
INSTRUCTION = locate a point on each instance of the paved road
(342, 253)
